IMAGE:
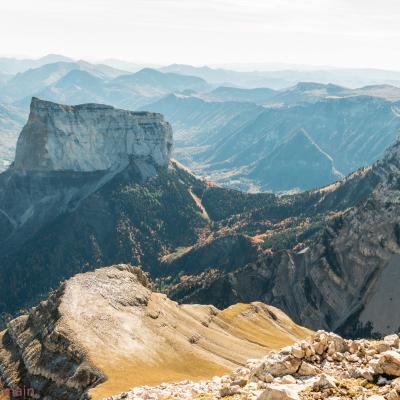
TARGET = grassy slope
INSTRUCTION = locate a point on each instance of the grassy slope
(236, 334)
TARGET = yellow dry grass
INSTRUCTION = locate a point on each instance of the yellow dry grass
(125, 374)
(238, 332)
(255, 323)
(180, 251)
(3, 396)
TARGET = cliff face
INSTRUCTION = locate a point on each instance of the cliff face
(90, 137)
(108, 327)
(65, 153)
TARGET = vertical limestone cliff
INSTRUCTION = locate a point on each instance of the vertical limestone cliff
(90, 137)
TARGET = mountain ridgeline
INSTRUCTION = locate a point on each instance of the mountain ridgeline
(92, 185)
(105, 331)
(314, 142)
(229, 125)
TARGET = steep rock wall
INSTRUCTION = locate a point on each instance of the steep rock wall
(89, 137)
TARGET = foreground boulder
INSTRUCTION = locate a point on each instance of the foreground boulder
(107, 331)
(389, 363)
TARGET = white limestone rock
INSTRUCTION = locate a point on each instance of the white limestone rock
(279, 393)
(392, 340)
(325, 381)
(388, 363)
(307, 369)
(90, 137)
(281, 364)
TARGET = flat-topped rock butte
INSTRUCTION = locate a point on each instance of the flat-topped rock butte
(90, 137)
(65, 153)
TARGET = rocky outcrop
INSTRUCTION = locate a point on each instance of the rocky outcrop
(107, 327)
(322, 366)
(38, 352)
(90, 137)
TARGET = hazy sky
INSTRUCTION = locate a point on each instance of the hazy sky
(357, 33)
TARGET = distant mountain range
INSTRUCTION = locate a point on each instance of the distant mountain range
(245, 145)
(11, 121)
(283, 78)
(228, 133)
(82, 82)
(11, 65)
(87, 81)
(276, 76)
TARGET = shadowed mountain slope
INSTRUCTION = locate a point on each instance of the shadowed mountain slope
(296, 161)
(343, 279)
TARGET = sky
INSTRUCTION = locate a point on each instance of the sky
(341, 33)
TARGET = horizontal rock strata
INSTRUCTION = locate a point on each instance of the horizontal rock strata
(90, 137)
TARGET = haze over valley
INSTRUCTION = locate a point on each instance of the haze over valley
(236, 128)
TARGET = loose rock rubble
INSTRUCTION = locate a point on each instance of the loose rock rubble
(323, 366)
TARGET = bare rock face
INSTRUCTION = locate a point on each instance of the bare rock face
(37, 351)
(106, 331)
(90, 137)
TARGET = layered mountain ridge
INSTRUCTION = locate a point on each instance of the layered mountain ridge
(353, 126)
(337, 246)
(107, 331)
(345, 280)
